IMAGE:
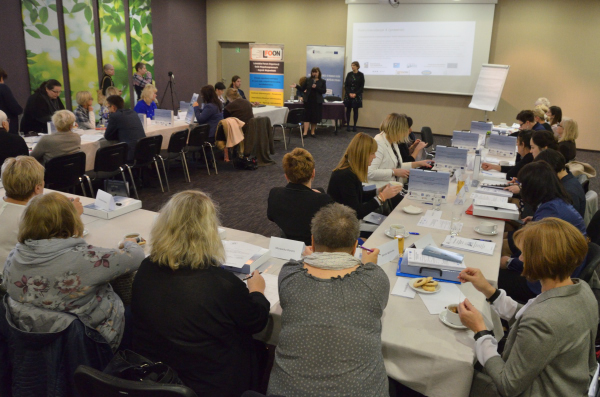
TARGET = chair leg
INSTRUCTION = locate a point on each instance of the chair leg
(205, 159)
(132, 182)
(162, 189)
(301, 136)
(82, 186)
(214, 159)
(90, 185)
(284, 142)
(165, 172)
(186, 171)
(125, 180)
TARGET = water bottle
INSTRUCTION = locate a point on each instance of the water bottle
(476, 167)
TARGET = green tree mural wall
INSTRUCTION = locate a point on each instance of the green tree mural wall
(142, 47)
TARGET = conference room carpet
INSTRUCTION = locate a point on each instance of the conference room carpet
(242, 195)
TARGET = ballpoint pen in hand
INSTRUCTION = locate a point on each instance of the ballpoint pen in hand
(250, 276)
(366, 249)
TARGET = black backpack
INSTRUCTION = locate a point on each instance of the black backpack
(245, 163)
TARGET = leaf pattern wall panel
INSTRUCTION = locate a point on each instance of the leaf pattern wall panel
(114, 42)
(81, 48)
(142, 43)
(40, 24)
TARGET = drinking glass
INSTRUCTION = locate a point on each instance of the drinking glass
(437, 202)
(455, 225)
(400, 233)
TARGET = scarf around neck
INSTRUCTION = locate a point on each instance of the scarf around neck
(331, 260)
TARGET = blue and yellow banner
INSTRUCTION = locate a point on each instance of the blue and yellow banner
(266, 74)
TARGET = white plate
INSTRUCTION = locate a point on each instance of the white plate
(448, 323)
(387, 233)
(85, 232)
(421, 290)
(485, 233)
(412, 210)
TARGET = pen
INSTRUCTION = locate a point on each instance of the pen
(250, 276)
(413, 233)
(366, 249)
(480, 239)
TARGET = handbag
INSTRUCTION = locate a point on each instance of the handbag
(131, 366)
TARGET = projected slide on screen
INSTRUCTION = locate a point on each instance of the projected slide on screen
(414, 48)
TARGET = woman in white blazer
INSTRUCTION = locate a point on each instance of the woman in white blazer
(387, 165)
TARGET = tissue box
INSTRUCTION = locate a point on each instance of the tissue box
(127, 205)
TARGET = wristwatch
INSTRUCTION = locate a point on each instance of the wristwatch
(494, 296)
(483, 333)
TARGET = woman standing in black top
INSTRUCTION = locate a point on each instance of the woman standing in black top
(313, 88)
(9, 105)
(190, 313)
(354, 85)
(41, 106)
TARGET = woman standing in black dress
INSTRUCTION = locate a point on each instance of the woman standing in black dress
(313, 88)
(355, 82)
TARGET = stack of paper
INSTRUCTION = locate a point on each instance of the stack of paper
(415, 256)
(243, 257)
(469, 245)
(493, 174)
(435, 223)
(493, 182)
(495, 192)
(495, 204)
(489, 197)
(271, 288)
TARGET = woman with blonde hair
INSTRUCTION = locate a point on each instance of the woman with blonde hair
(53, 275)
(147, 103)
(387, 166)
(539, 115)
(104, 112)
(84, 114)
(568, 132)
(188, 311)
(345, 184)
(64, 141)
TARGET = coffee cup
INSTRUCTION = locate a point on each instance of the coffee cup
(452, 315)
(394, 183)
(136, 236)
(487, 227)
(396, 230)
(503, 125)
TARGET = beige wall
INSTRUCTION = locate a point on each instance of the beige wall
(552, 47)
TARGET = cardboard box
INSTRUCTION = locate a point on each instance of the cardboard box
(500, 213)
(124, 205)
(251, 264)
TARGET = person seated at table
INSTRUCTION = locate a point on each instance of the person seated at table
(345, 183)
(569, 182)
(236, 83)
(332, 304)
(541, 189)
(554, 116)
(84, 114)
(11, 145)
(40, 107)
(567, 131)
(387, 166)
(212, 111)
(23, 179)
(542, 140)
(104, 113)
(550, 349)
(124, 125)
(9, 105)
(192, 314)
(147, 103)
(238, 107)
(64, 141)
(141, 78)
(292, 207)
(54, 275)
(526, 121)
(220, 91)
(542, 101)
(539, 115)
(524, 150)
(410, 153)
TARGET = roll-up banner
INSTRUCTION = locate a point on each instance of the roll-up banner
(266, 74)
(330, 59)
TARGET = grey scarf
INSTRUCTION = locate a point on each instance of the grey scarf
(331, 260)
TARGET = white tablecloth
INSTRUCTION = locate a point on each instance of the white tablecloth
(277, 114)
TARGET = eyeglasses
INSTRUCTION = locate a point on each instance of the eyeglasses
(559, 125)
(56, 92)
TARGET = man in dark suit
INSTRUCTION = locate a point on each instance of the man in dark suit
(124, 125)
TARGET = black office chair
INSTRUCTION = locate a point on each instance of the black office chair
(198, 141)
(93, 383)
(593, 261)
(66, 172)
(585, 182)
(147, 151)
(175, 150)
(332, 98)
(294, 120)
(112, 160)
(593, 228)
(427, 136)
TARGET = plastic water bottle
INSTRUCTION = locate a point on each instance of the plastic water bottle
(476, 167)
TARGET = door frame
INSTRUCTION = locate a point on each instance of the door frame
(220, 57)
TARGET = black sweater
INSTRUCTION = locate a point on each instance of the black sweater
(513, 171)
(199, 322)
(10, 106)
(345, 188)
(38, 112)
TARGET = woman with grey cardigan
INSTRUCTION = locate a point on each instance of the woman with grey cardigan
(330, 340)
(62, 142)
(53, 276)
(550, 349)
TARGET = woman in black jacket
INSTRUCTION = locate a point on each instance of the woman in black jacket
(41, 106)
(9, 105)
(354, 85)
(313, 89)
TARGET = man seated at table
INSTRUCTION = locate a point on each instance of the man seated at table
(330, 340)
(220, 90)
(124, 125)
(526, 120)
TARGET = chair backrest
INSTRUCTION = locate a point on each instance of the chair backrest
(110, 158)
(592, 262)
(65, 170)
(295, 116)
(199, 135)
(178, 141)
(427, 136)
(593, 228)
(93, 383)
(146, 148)
(585, 182)
(332, 98)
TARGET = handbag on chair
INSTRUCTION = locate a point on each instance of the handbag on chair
(129, 365)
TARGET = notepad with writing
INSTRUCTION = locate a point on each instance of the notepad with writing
(469, 245)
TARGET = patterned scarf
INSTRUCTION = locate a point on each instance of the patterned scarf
(331, 260)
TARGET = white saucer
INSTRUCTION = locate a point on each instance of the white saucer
(448, 323)
(387, 233)
(485, 233)
(410, 209)
(438, 287)
(85, 232)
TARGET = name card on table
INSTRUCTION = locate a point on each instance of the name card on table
(164, 117)
(500, 145)
(286, 249)
(465, 140)
(425, 184)
(189, 117)
(51, 128)
(105, 201)
(387, 252)
(481, 127)
(143, 120)
(450, 158)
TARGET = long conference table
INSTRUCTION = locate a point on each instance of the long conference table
(418, 349)
(92, 140)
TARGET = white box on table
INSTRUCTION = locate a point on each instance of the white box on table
(127, 204)
(500, 213)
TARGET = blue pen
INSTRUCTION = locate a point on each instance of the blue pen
(416, 234)
(480, 239)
